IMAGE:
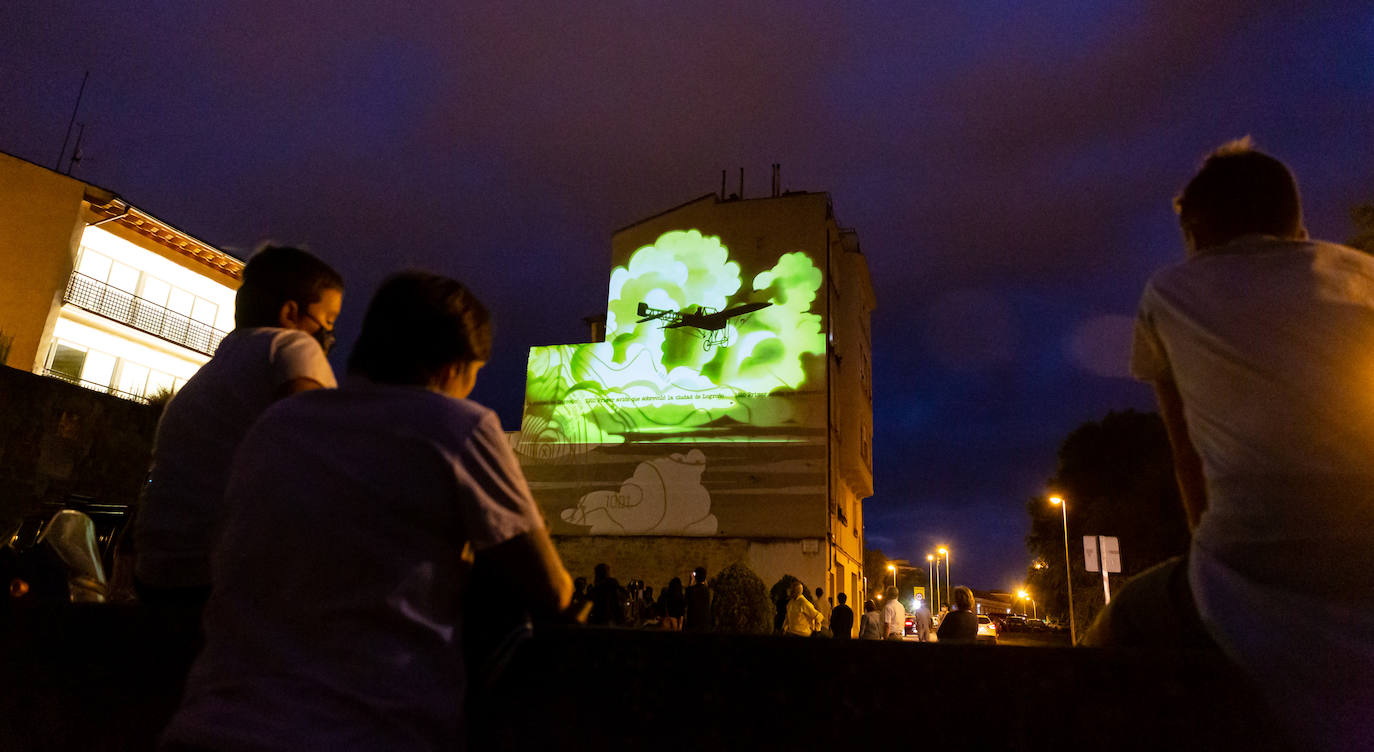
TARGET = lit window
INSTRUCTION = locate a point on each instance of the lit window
(133, 379)
(155, 291)
(93, 265)
(67, 361)
(204, 311)
(99, 370)
(123, 277)
(180, 301)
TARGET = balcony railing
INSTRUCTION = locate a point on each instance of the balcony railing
(99, 298)
(93, 386)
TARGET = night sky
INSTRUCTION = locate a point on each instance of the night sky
(1008, 166)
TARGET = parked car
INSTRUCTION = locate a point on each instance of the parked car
(1037, 625)
(987, 631)
(1015, 624)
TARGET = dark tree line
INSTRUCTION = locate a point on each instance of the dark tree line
(1117, 476)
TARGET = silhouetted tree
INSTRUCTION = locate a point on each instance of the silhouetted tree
(1363, 217)
(739, 602)
(1117, 476)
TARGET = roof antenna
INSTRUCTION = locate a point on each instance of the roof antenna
(76, 149)
(79, 94)
(741, 183)
(777, 179)
(722, 185)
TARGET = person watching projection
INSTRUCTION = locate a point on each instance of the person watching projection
(284, 314)
(355, 516)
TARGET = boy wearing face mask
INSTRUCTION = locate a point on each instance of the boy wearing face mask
(284, 316)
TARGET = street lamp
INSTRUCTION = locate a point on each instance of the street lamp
(1068, 573)
(949, 598)
(893, 570)
(933, 580)
(1024, 596)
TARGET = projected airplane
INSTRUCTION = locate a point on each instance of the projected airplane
(710, 323)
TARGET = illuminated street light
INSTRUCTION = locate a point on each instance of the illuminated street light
(933, 581)
(1068, 573)
(948, 595)
(893, 570)
(1024, 596)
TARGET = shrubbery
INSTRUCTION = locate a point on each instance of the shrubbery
(740, 602)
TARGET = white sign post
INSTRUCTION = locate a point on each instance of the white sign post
(1108, 550)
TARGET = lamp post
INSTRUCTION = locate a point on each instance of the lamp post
(893, 570)
(934, 583)
(1024, 596)
(949, 597)
(1068, 573)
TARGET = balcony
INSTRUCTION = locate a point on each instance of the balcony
(99, 298)
(93, 386)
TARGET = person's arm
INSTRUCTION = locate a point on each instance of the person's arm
(531, 566)
(1192, 485)
(296, 386)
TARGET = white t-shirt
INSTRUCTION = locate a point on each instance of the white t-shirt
(335, 619)
(181, 510)
(1271, 345)
(894, 618)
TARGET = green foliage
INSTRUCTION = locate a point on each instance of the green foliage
(739, 602)
(1117, 476)
(159, 399)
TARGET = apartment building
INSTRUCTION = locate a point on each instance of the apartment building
(727, 416)
(98, 292)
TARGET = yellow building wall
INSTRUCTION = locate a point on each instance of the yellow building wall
(40, 224)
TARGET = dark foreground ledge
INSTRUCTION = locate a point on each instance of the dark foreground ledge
(107, 678)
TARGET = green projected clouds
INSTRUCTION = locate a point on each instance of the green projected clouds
(753, 371)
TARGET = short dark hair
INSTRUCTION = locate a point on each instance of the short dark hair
(416, 325)
(841, 597)
(700, 574)
(276, 275)
(869, 605)
(1239, 191)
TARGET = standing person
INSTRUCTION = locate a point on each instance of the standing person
(673, 603)
(608, 598)
(1258, 346)
(802, 618)
(284, 314)
(698, 615)
(894, 615)
(842, 619)
(824, 607)
(339, 580)
(871, 625)
(961, 624)
(920, 622)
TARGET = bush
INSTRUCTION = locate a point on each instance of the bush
(740, 602)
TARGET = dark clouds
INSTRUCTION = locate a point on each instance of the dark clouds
(1008, 167)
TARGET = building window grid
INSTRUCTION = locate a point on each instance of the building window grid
(97, 297)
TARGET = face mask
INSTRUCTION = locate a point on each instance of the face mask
(322, 335)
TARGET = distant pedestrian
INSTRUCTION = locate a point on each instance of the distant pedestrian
(920, 624)
(673, 603)
(961, 625)
(842, 619)
(698, 615)
(871, 625)
(894, 615)
(802, 618)
(608, 598)
(823, 606)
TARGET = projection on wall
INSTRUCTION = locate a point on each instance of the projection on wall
(699, 348)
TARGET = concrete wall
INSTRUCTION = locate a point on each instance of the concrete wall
(40, 224)
(58, 439)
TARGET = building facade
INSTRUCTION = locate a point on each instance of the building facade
(99, 293)
(727, 415)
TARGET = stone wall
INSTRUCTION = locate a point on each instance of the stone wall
(58, 439)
